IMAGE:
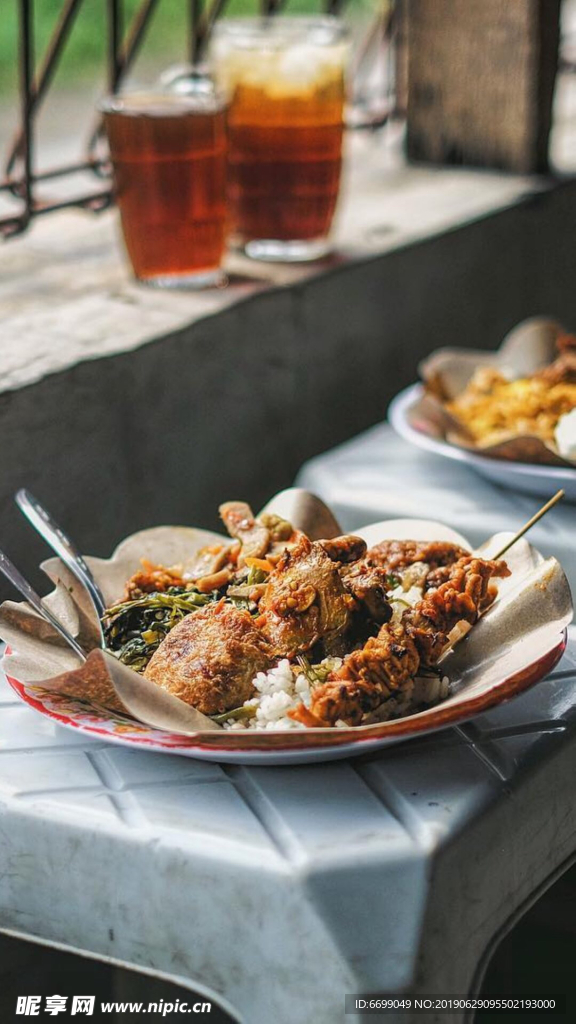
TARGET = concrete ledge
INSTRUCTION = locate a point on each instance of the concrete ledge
(66, 293)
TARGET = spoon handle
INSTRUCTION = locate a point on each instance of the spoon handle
(11, 572)
(58, 540)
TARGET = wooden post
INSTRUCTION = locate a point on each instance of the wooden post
(481, 80)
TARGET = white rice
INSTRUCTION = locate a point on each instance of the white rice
(285, 686)
(278, 691)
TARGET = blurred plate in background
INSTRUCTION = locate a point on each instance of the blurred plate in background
(518, 476)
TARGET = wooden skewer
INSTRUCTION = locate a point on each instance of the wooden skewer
(527, 526)
(463, 628)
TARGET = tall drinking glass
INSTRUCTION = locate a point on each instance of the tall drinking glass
(284, 78)
(169, 159)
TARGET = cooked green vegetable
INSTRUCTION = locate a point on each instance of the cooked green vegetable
(323, 669)
(134, 629)
(240, 714)
(256, 576)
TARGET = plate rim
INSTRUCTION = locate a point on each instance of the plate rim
(408, 727)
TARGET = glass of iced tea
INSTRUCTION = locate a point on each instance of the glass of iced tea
(168, 153)
(284, 77)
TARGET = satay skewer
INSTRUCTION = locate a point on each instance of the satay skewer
(462, 628)
(527, 526)
(349, 696)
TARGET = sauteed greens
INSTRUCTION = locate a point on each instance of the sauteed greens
(134, 629)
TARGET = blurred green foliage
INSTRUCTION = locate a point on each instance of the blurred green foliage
(85, 50)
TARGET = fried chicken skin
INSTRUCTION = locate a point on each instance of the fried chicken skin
(486, 591)
(390, 660)
(462, 597)
(396, 555)
(369, 586)
(347, 548)
(304, 601)
(367, 677)
(210, 658)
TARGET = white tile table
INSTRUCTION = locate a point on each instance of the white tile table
(285, 888)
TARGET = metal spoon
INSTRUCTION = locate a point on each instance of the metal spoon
(58, 540)
(27, 590)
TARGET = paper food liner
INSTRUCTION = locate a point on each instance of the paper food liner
(528, 348)
(515, 643)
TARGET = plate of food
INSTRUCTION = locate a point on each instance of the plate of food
(296, 643)
(510, 415)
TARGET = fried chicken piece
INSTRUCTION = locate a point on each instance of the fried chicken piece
(239, 520)
(396, 555)
(389, 661)
(369, 586)
(210, 658)
(444, 573)
(464, 595)
(304, 601)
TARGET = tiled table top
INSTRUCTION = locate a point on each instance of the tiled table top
(284, 888)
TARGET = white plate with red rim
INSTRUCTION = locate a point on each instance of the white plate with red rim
(513, 646)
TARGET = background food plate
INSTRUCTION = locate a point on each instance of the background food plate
(519, 476)
(517, 643)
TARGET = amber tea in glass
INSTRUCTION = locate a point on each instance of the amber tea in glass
(168, 153)
(284, 78)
